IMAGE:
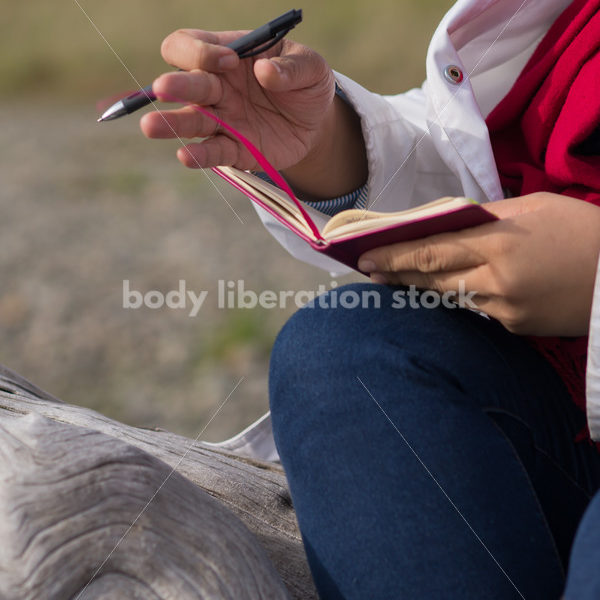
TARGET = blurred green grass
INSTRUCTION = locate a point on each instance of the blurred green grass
(51, 49)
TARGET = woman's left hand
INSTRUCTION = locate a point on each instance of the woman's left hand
(533, 270)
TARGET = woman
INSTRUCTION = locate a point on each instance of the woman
(432, 453)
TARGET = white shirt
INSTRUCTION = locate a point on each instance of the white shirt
(433, 141)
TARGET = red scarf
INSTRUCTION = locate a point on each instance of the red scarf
(537, 131)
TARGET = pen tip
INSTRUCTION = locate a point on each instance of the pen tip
(100, 120)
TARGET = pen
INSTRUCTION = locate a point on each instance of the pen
(252, 43)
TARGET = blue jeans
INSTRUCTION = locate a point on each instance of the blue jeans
(430, 454)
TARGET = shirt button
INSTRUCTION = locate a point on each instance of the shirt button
(453, 74)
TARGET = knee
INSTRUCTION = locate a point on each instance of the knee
(343, 332)
(324, 330)
(362, 329)
(316, 342)
(362, 323)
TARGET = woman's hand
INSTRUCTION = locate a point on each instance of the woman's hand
(282, 101)
(534, 270)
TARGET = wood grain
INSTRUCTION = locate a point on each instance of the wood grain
(91, 508)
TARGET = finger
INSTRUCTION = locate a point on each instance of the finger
(182, 122)
(196, 49)
(444, 252)
(213, 152)
(194, 86)
(297, 68)
(461, 287)
(441, 281)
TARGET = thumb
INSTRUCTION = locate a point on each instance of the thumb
(512, 207)
(293, 72)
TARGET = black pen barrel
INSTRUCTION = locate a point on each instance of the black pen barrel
(139, 99)
(250, 40)
(263, 34)
(287, 20)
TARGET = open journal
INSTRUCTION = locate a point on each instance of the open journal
(350, 233)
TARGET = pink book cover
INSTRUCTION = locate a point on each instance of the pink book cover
(348, 249)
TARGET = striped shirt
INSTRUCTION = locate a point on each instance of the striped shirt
(332, 206)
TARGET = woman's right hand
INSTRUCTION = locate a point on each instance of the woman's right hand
(282, 101)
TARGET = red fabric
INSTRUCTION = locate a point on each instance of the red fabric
(535, 131)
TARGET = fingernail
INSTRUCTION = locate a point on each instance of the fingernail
(228, 61)
(366, 266)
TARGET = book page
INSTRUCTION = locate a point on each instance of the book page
(278, 200)
(355, 221)
(271, 196)
(346, 223)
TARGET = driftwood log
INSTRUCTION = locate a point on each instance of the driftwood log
(94, 509)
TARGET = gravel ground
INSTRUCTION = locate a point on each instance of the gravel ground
(86, 206)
